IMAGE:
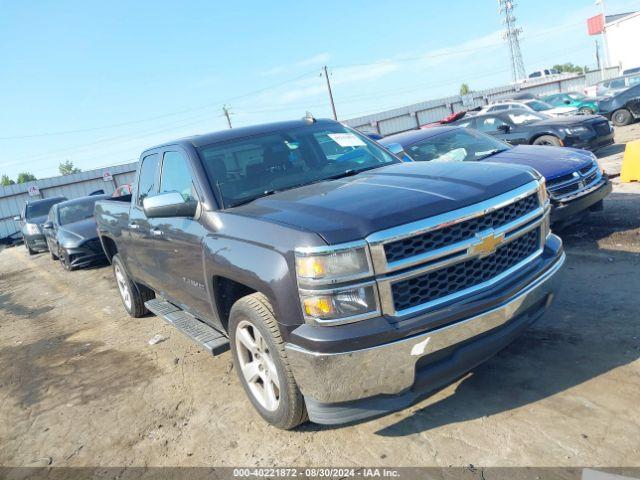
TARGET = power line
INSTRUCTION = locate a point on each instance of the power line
(132, 122)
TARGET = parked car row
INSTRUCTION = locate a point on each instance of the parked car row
(348, 276)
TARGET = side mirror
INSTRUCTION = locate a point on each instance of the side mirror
(47, 225)
(568, 102)
(170, 204)
(17, 218)
(504, 128)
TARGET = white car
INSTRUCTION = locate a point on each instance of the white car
(532, 105)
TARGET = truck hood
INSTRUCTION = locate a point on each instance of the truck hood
(551, 162)
(351, 208)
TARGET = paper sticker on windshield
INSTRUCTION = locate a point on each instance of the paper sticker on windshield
(346, 139)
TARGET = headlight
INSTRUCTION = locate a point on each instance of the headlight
(339, 306)
(542, 192)
(319, 268)
(32, 229)
(576, 130)
(315, 266)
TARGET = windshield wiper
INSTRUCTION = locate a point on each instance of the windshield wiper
(491, 153)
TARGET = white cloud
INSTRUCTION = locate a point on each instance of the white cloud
(317, 59)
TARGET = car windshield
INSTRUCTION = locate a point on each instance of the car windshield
(526, 118)
(538, 106)
(40, 209)
(456, 146)
(76, 211)
(248, 168)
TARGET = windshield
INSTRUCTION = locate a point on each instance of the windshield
(76, 211)
(538, 106)
(248, 168)
(526, 118)
(40, 209)
(456, 146)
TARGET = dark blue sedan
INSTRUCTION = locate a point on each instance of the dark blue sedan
(575, 182)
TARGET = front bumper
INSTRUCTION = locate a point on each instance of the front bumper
(565, 209)
(351, 385)
(36, 242)
(589, 141)
(86, 254)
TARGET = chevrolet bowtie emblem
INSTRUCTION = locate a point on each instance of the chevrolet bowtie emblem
(487, 244)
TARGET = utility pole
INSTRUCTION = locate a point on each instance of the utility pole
(605, 45)
(333, 106)
(511, 35)
(226, 113)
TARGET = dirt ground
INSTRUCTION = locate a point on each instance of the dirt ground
(81, 386)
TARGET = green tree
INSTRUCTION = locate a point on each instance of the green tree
(25, 177)
(6, 181)
(67, 168)
(464, 89)
(569, 68)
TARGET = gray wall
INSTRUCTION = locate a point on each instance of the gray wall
(413, 116)
(13, 197)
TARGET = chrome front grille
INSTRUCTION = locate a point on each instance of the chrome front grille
(429, 262)
(434, 239)
(573, 184)
(450, 280)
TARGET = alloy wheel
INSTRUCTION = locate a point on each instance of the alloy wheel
(257, 365)
(123, 287)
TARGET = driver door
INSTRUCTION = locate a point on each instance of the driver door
(496, 126)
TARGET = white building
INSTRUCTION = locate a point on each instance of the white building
(623, 40)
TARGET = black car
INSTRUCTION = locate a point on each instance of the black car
(32, 217)
(12, 239)
(622, 108)
(524, 127)
(71, 233)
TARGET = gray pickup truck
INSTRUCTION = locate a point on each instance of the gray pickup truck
(346, 283)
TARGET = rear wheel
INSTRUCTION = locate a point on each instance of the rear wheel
(621, 117)
(132, 294)
(261, 362)
(548, 140)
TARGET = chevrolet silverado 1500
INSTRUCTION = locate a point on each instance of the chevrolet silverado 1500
(346, 283)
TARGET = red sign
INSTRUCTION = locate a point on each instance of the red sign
(595, 24)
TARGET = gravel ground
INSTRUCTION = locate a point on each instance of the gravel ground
(81, 386)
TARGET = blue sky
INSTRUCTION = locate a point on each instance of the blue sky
(97, 82)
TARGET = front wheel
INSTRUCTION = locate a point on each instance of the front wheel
(621, 117)
(133, 295)
(261, 362)
(30, 250)
(65, 260)
(548, 140)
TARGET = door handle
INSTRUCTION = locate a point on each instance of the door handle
(156, 232)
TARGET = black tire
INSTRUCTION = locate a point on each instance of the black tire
(138, 293)
(548, 140)
(586, 111)
(257, 310)
(621, 117)
(30, 250)
(53, 255)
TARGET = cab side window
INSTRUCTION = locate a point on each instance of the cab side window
(489, 124)
(176, 176)
(147, 181)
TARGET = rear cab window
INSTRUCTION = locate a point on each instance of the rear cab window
(147, 179)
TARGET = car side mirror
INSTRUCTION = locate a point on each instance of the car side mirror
(567, 102)
(47, 225)
(504, 128)
(17, 218)
(170, 204)
(397, 150)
